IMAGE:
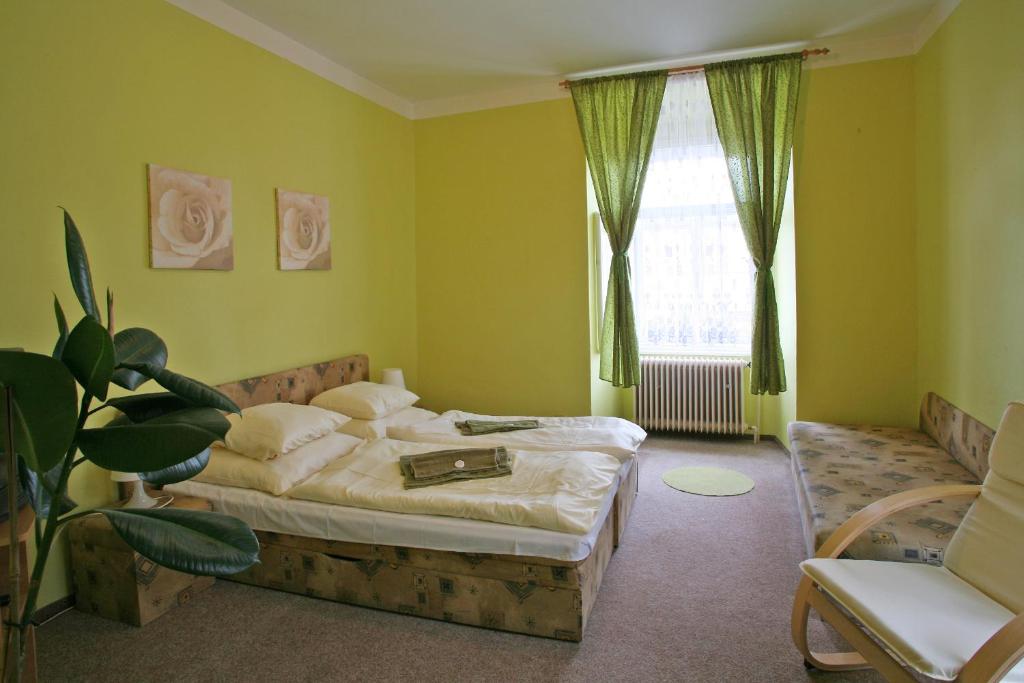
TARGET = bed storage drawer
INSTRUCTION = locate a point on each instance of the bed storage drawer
(535, 596)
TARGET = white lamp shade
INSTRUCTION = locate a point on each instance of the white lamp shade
(124, 476)
(392, 377)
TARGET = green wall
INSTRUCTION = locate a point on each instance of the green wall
(855, 248)
(92, 91)
(481, 177)
(970, 208)
(502, 264)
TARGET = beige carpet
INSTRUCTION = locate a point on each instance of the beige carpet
(700, 590)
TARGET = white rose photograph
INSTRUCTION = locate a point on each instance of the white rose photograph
(189, 220)
(303, 231)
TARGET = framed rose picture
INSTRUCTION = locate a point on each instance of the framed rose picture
(303, 231)
(189, 220)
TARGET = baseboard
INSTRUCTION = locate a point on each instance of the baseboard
(47, 612)
(722, 437)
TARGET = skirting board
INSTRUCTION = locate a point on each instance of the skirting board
(47, 612)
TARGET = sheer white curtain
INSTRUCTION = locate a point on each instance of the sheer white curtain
(693, 278)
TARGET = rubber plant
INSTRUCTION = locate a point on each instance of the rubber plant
(164, 436)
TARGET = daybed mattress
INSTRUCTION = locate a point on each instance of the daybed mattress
(340, 523)
(612, 435)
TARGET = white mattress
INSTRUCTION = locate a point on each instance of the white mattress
(279, 514)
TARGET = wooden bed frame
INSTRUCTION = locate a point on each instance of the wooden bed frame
(532, 595)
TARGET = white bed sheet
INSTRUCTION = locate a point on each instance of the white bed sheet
(339, 523)
(612, 435)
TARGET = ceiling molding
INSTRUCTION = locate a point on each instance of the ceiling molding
(842, 51)
(446, 106)
(846, 51)
(238, 23)
(933, 21)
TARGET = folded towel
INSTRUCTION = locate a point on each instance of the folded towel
(441, 467)
(478, 427)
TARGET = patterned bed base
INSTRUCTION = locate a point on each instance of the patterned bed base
(530, 595)
(535, 596)
(624, 499)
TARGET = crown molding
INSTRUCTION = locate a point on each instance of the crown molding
(492, 99)
(841, 51)
(847, 51)
(934, 19)
(239, 24)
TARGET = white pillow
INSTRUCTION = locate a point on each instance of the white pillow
(266, 431)
(378, 429)
(365, 400)
(276, 476)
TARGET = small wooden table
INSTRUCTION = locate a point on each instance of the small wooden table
(113, 581)
(26, 518)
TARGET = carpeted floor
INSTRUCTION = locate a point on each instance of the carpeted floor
(700, 590)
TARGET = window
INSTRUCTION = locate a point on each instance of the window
(693, 279)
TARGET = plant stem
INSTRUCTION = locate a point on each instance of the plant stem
(14, 554)
(43, 551)
(84, 513)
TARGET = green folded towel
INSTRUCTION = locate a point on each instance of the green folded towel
(441, 467)
(478, 427)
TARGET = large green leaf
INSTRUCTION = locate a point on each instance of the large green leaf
(89, 354)
(137, 345)
(142, 407)
(191, 390)
(42, 488)
(44, 407)
(180, 472)
(190, 541)
(78, 268)
(62, 329)
(153, 445)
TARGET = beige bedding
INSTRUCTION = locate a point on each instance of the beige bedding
(611, 435)
(558, 490)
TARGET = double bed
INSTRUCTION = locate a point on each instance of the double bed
(504, 576)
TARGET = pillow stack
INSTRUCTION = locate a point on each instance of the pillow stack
(372, 408)
(272, 447)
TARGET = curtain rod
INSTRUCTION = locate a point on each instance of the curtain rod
(694, 68)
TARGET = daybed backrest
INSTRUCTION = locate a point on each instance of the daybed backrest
(959, 434)
(987, 550)
(298, 385)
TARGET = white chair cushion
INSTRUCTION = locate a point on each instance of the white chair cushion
(986, 551)
(926, 615)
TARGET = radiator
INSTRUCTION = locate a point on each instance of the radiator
(691, 394)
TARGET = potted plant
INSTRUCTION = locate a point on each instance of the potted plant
(164, 436)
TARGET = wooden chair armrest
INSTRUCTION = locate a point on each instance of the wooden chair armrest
(997, 656)
(867, 517)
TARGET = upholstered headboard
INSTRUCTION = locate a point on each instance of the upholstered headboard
(298, 385)
(958, 433)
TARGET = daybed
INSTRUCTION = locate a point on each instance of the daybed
(522, 579)
(840, 469)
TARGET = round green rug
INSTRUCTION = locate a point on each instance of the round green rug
(708, 481)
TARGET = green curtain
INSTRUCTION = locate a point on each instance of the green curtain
(754, 101)
(618, 116)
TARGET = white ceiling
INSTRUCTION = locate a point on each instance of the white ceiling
(425, 50)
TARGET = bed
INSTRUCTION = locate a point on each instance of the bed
(614, 436)
(520, 579)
